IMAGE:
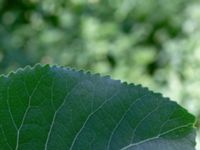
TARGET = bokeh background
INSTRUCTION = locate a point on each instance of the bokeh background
(151, 42)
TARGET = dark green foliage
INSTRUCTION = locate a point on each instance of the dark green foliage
(56, 108)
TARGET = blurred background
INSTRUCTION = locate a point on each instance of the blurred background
(155, 43)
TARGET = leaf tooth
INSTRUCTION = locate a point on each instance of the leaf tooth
(86, 72)
(26, 68)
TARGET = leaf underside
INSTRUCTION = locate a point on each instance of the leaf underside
(55, 108)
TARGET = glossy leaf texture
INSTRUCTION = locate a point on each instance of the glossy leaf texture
(57, 108)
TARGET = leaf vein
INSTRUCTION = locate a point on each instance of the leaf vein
(89, 116)
(122, 118)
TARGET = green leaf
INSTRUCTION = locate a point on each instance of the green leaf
(55, 108)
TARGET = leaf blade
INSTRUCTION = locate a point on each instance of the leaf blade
(59, 108)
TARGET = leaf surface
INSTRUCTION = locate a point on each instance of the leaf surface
(55, 108)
